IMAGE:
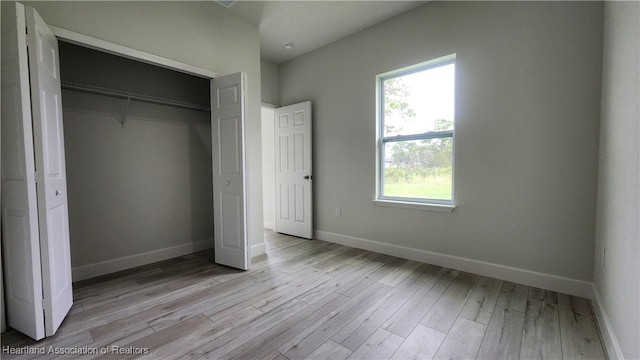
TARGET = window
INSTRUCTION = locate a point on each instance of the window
(416, 133)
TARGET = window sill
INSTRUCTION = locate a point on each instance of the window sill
(443, 208)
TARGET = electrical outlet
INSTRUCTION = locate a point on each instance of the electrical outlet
(338, 212)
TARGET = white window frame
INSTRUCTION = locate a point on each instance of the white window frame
(439, 205)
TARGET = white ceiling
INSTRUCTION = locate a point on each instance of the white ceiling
(312, 24)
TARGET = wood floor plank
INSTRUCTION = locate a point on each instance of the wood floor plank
(331, 251)
(121, 338)
(513, 296)
(239, 336)
(117, 277)
(121, 309)
(266, 288)
(351, 273)
(503, 337)
(463, 341)
(173, 334)
(90, 291)
(110, 303)
(342, 276)
(422, 343)
(304, 284)
(273, 263)
(303, 295)
(381, 345)
(362, 319)
(482, 301)
(177, 271)
(411, 313)
(444, 312)
(579, 334)
(49, 347)
(400, 273)
(164, 309)
(15, 339)
(204, 335)
(324, 250)
(76, 308)
(357, 331)
(342, 259)
(541, 331)
(546, 296)
(287, 329)
(275, 355)
(208, 273)
(304, 249)
(274, 240)
(330, 350)
(356, 286)
(308, 341)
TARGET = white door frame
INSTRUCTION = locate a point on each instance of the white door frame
(268, 175)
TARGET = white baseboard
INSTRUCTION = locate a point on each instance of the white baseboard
(127, 262)
(271, 225)
(611, 344)
(258, 249)
(522, 276)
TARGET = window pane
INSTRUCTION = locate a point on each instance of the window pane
(419, 169)
(419, 102)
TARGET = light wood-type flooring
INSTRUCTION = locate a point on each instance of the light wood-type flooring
(309, 299)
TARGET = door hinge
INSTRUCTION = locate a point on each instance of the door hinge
(35, 177)
(44, 303)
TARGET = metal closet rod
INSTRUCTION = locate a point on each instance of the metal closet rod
(123, 95)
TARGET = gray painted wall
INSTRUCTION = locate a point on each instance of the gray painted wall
(618, 219)
(142, 186)
(269, 76)
(138, 188)
(527, 121)
(201, 34)
(80, 64)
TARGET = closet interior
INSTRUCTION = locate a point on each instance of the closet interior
(138, 155)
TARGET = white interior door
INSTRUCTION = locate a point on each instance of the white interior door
(294, 192)
(21, 241)
(229, 203)
(53, 212)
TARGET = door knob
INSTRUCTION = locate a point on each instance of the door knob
(307, 177)
(58, 193)
(227, 183)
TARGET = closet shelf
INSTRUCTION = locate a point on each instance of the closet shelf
(137, 97)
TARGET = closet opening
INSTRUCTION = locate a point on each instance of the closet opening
(138, 158)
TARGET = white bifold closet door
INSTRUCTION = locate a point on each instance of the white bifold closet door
(34, 207)
(229, 186)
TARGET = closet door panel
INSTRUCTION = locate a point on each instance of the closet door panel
(229, 186)
(53, 212)
(21, 243)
